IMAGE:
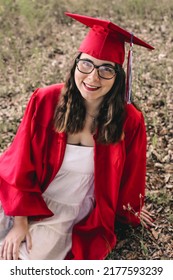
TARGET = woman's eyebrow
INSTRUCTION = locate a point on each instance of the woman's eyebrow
(103, 64)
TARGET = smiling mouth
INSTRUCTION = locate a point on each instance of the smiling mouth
(90, 87)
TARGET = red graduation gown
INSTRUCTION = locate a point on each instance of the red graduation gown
(36, 154)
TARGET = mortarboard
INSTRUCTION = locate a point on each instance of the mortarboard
(106, 41)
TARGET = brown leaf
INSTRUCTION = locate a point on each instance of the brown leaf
(120, 244)
(155, 233)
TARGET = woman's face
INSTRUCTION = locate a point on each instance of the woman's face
(91, 86)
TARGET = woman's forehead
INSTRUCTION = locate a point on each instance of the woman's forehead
(95, 60)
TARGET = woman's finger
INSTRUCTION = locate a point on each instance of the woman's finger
(9, 252)
(144, 224)
(5, 249)
(1, 251)
(147, 221)
(28, 242)
(144, 215)
(148, 213)
(144, 210)
(16, 251)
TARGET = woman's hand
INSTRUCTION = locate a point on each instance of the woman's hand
(146, 218)
(12, 241)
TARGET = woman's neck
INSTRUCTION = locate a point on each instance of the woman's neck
(92, 107)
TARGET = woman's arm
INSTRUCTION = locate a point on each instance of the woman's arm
(21, 165)
(18, 233)
(130, 208)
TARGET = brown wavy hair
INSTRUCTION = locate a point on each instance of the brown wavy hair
(71, 112)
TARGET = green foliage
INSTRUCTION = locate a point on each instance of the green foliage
(144, 248)
(35, 11)
(161, 197)
(170, 218)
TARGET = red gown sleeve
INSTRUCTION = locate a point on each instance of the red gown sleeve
(132, 188)
(20, 193)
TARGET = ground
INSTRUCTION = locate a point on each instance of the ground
(38, 43)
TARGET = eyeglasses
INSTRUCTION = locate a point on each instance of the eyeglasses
(105, 71)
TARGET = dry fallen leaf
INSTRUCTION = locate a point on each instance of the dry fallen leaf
(155, 233)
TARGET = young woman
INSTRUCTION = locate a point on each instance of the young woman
(78, 160)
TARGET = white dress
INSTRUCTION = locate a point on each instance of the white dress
(70, 196)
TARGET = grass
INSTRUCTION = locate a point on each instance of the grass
(160, 197)
(34, 12)
(25, 26)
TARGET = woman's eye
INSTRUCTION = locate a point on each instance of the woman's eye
(87, 64)
(108, 69)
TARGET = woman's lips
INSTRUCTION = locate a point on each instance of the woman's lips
(90, 87)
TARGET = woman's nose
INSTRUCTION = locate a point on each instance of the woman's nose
(94, 74)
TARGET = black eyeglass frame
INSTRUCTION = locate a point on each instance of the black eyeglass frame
(96, 67)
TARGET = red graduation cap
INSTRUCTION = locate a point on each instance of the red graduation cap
(106, 41)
